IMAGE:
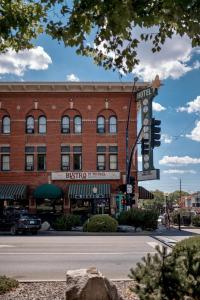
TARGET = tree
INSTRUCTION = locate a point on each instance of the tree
(157, 203)
(105, 30)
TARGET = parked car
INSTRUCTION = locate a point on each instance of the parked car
(19, 221)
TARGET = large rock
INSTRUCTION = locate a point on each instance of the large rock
(45, 226)
(89, 284)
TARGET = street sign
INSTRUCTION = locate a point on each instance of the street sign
(129, 189)
(148, 175)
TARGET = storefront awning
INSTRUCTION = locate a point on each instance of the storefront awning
(89, 191)
(144, 194)
(48, 191)
(13, 191)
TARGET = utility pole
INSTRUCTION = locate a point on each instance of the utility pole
(179, 216)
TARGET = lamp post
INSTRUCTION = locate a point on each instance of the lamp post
(167, 211)
(94, 190)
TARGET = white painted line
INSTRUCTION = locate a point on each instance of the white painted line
(7, 246)
(72, 253)
(152, 244)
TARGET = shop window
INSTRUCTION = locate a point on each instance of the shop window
(6, 124)
(65, 124)
(101, 124)
(113, 124)
(113, 161)
(41, 162)
(29, 163)
(65, 162)
(77, 124)
(101, 162)
(30, 124)
(5, 162)
(42, 124)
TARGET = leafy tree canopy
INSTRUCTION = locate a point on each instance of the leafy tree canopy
(105, 30)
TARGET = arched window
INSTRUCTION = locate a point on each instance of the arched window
(65, 124)
(101, 124)
(30, 124)
(113, 124)
(42, 124)
(77, 124)
(6, 124)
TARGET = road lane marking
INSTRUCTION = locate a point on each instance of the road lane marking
(7, 246)
(152, 244)
(72, 253)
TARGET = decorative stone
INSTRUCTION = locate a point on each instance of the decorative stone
(45, 226)
(90, 284)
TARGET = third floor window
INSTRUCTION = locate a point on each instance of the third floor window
(30, 124)
(42, 124)
(6, 124)
(77, 124)
(100, 124)
(113, 124)
(65, 124)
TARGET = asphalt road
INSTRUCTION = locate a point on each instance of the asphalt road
(49, 257)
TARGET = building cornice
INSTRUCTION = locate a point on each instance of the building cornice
(68, 87)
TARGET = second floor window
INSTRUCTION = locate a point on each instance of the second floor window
(65, 124)
(29, 162)
(42, 124)
(101, 162)
(65, 162)
(41, 162)
(30, 124)
(113, 162)
(100, 124)
(77, 124)
(5, 162)
(113, 124)
(6, 124)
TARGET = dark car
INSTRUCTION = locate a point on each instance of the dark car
(19, 221)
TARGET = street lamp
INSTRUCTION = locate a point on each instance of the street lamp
(94, 190)
(167, 211)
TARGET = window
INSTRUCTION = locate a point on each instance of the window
(41, 162)
(5, 162)
(65, 124)
(65, 162)
(101, 162)
(6, 124)
(29, 163)
(101, 124)
(30, 124)
(77, 124)
(113, 124)
(77, 157)
(113, 165)
(42, 124)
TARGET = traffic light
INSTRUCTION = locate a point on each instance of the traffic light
(155, 133)
(123, 201)
(145, 146)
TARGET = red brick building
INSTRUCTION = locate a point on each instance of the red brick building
(68, 134)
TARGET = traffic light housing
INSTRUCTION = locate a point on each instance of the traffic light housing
(145, 146)
(155, 133)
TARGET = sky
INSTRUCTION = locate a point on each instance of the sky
(177, 104)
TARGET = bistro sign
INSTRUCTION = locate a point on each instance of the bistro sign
(85, 175)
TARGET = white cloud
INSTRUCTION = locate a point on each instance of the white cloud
(166, 138)
(158, 107)
(173, 61)
(195, 133)
(17, 63)
(176, 171)
(72, 77)
(192, 106)
(177, 160)
(174, 178)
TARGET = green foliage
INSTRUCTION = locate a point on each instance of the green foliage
(105, 30)
(66, 222)
(174, 276)
(7, 284)
(145, 219)
(100, 223)
(196, 221)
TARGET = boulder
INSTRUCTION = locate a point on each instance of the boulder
(45, 226)
(90, 284)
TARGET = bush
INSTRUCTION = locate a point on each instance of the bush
(100, 223)
(66, 222)
(196, 221)
(7, 284)
(146, 219)
(170, 276)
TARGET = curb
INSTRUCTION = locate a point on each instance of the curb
(60, 280)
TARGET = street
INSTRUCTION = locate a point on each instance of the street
(49, 257)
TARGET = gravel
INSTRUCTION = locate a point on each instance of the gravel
(56, 291)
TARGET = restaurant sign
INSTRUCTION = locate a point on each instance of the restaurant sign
(85, 175)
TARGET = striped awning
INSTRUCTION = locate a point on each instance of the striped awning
(144, 194)
(89, 191)
(13, 191)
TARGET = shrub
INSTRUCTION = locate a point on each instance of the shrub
(7, 284)
(100, 223)
(170, 276)
(150, 220)
(66, 222)
(196, 220)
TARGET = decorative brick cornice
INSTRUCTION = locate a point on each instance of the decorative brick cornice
(69, 87)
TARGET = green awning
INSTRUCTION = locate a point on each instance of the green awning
(48, 191)
(89, 191)
(13, 191)
(144, 194)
